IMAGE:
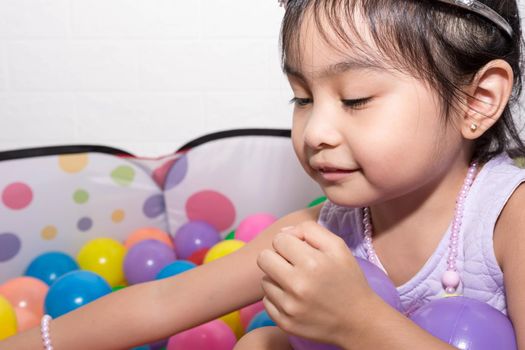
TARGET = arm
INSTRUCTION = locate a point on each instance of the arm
(150, 311)
(509, 246)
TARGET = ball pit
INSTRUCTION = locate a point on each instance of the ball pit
(66, 285)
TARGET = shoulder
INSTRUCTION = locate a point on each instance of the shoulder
(299, 216)
(510, 226)
(509, 246)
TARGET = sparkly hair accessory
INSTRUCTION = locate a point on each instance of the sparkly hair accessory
(469, 5)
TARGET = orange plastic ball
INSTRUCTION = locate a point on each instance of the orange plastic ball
(25, 293)
(148, 233)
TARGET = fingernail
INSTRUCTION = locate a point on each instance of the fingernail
(287, 228)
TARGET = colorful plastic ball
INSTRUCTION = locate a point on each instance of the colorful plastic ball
(467, 324)
(214, 335)
(262, 319)
(198, 257)
(103, 256)
(73, 290)
(233, 320)
(145, 260)
(117, 288)
(49, 266)
(252, 225)
(7, 319)
(380, 283)
(317, 201)
(26, 319)
(159, 345)
(194, 236)
(25, 293)
(223, 248)
(148, 233)
(175, 268)
(247, 313)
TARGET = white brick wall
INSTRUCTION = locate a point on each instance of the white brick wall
(143, 75)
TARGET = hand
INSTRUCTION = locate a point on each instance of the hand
(313, 285)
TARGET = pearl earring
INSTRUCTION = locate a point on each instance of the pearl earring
(473, 127)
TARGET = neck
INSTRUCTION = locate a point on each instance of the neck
(431, 207)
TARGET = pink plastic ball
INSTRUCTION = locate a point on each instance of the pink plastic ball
(252, 225)
(214, 335)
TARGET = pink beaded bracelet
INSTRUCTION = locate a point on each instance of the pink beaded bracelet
(44, 330)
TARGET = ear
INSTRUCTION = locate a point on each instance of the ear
(488, 95)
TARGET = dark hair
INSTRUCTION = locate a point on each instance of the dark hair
(442, 44)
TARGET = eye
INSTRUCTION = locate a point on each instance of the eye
(301, 102)
(356, 103)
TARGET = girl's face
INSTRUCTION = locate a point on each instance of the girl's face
(367, 134)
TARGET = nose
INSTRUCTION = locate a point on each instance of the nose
(321, 129)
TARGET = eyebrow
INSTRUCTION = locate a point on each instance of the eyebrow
(333, 69)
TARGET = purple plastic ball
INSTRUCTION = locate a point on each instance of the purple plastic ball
(380, 284)
(145, 259)
(194, 236)
(467, 324)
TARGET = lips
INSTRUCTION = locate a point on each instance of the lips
(333, 170)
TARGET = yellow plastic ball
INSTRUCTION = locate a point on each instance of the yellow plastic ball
(8, 324)
(233, 320)
(105, 257)
(223, 248)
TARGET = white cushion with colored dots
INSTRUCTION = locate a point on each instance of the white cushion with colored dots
(228, 178)
(59, 202)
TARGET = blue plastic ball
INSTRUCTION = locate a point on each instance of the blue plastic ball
(48, 267)
(262, 319)
(73, 290)
(174, 268)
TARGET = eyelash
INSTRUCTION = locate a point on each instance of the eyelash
(354, 104)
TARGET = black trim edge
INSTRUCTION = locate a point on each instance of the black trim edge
(234, 133)
(58, 150)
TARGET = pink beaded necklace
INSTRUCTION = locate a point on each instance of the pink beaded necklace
(450, 278)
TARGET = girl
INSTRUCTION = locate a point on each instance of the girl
(397, 102)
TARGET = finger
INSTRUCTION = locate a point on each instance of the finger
(293, 230)
(293, 249)
(319, 237)
(274, 293)
(272, 310)
(275, 266)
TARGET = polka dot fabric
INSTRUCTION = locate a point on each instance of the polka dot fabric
(61, 202)
(226, 180)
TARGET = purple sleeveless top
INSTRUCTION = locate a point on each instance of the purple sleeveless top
(481, 276)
